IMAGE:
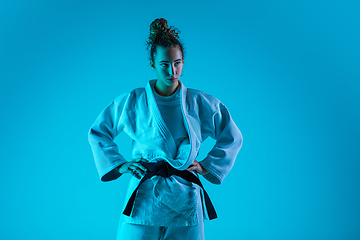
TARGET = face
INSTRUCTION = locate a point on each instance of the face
(168, 65)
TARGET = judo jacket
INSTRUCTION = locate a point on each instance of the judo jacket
(137, 114)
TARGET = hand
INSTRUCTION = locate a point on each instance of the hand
(133, 167)
(197, 167)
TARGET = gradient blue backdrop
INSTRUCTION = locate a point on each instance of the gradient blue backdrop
(287, 70)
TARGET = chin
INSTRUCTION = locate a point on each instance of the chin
(172, 83)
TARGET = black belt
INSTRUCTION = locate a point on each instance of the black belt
(164, 169)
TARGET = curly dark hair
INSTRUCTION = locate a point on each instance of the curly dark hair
(164, 36)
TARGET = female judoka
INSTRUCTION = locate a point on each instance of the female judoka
(167, 123)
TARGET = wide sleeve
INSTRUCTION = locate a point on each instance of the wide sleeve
(221, 158)
(101, 137)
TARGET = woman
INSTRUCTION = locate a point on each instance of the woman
(167, 122)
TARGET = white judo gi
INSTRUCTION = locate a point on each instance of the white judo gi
(173, 201)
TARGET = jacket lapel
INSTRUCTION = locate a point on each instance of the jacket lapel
(165, 132)
(191, 133)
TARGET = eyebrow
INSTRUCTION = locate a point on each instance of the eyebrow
(174, 61)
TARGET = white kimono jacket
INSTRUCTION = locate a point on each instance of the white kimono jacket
(136, 113)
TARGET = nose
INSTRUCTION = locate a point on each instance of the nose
(172, 71)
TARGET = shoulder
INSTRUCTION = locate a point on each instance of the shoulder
(130, 96)
(202, 95)
(204, 99)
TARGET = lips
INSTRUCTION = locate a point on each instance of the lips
(172, 79)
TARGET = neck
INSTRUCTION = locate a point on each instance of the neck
(165, 91)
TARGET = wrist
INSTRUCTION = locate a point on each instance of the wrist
(205, 172)
(119, 167)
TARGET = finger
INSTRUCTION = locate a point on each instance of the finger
(137, 164)
(128, 170)
(137, 170)
(135, 174)
(141, 167)
(137, 160)
(125, 168)
(192, 168)
(133, 168)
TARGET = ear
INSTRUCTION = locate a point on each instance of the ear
(152, 64)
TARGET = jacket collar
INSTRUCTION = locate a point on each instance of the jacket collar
(163, 128)
(170, 142)
(152, 83)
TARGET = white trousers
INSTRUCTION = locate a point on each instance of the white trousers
(129, 231)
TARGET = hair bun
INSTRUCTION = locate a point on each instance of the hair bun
(162, 35)
(160, 29)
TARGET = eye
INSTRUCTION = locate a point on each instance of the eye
(164, 65)
(177, 63)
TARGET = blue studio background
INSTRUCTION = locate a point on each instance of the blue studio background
(288, 71)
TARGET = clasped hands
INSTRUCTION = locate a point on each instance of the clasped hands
(135, 168)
